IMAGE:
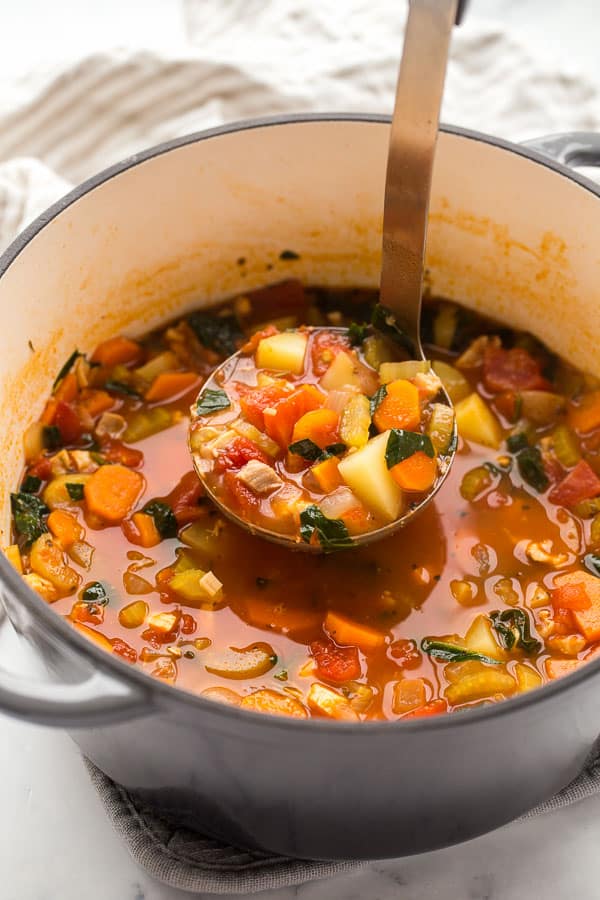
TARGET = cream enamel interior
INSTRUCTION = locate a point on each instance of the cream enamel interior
(507, 236)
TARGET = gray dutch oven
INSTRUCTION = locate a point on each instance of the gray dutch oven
(513, 234)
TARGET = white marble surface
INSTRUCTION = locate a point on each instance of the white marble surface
(55, 842)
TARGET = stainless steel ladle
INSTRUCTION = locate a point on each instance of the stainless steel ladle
(411, 154)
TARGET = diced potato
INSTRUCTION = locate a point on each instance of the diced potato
(457, 386)
(33, 441)
(46, 559)
(491, 680)
(194, 586)
(41, 586)
(134, 614)
(145, 423)
(355, 421)
(163, 622)
(367, 475)
(527, 677)
(275, 704)
(344, 370)
(329, 703)
(409, 694)
(248, 662)
(55, 493)
(14, 557)
(476, 422)
(541, 407)
(480, 638)
(284, 352)
(440, 427)
(391, 371)
(206, 540)
(222, 695)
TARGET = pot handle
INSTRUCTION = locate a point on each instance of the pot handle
(571, 148)
(96, 699)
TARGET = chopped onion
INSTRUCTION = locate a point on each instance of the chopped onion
(336, 504)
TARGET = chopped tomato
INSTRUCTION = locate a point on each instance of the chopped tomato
(115, 451)
(581, 483)
(68, 423)
(91, 613)
(511, 370)
(254, 401)
(188, 624)
(242, 496)
(570, 596)
(335, 663)
(237, 453)
(122, 649)
(185, 497)
(325, 347)
(41, 468)
(433, 708)
(251, 345)
(507, 404)
(280, 420)
(405, 654)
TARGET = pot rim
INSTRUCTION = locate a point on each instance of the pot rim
(113, 666)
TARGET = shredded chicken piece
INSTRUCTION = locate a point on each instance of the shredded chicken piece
(259, 477)
(473, 355)
(540, 597)
(541, 552)
(61, 463)
(211, 584)
(428, 384)
(83, 462)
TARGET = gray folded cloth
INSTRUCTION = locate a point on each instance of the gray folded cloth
(190, 861)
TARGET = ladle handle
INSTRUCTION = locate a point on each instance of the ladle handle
(410, 158)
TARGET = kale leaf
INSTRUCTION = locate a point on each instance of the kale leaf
(28, 511)
(219, 333)
(164, 518)
(451, 653)
(384, 320)
(514, 630)
(212, 401)
(402, 444)
(332, 533)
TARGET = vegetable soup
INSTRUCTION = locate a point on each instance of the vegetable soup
(492, 591)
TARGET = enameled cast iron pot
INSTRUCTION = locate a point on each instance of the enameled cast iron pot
(512, 234)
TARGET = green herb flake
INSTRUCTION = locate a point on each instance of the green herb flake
(281, 676)
(335, 449)
(119, 387)
(517, 442)
(592, 563)
(28, 511)
(219, 333)
(74, 490)
(331, 533)
(531, 468)
(384, 321)
(377, 398)
(307, 449)
(357, 333)
(164, 518)
(212, 401)
(514, 630)
(451, 653)
(402, 444)
(51, 437)
(95, 594)
(31, 484)
(66, 368)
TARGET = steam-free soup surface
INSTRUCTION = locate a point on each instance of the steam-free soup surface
(492, 591)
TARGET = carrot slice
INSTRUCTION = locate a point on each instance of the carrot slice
(416, 473)
(320, 426)
(96, 402)
(279, 420)
(47, 417)
(399, 408)
(327, 474)
(556, 668)
(586, 415)
(433, 708)
(169, 384)
(117, 351)
(581, 483)
(141, 530)
(346, 631)
(112, 491)
(64, 527)
(587, 619)
(67, 389)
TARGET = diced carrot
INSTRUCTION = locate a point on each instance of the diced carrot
(588, 619)
(112, 491)
(348, 632)
(433, 708)
(279, 420)
(94, 636)
(96, 402)
(67, 389)
(68, 423)
(512, 370)
(169, 384)
(399, 408)
(117, 351)
(327, 474)
(185, 498)
(47, 417)
(581, 483)
(556, 668)
(416, 473)
(64, 527)
(320, 426)
(141, 530)
(115, 451)
(571, 596)
(273, 703)
(357, 519)
(272, 613)
(585, 415)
